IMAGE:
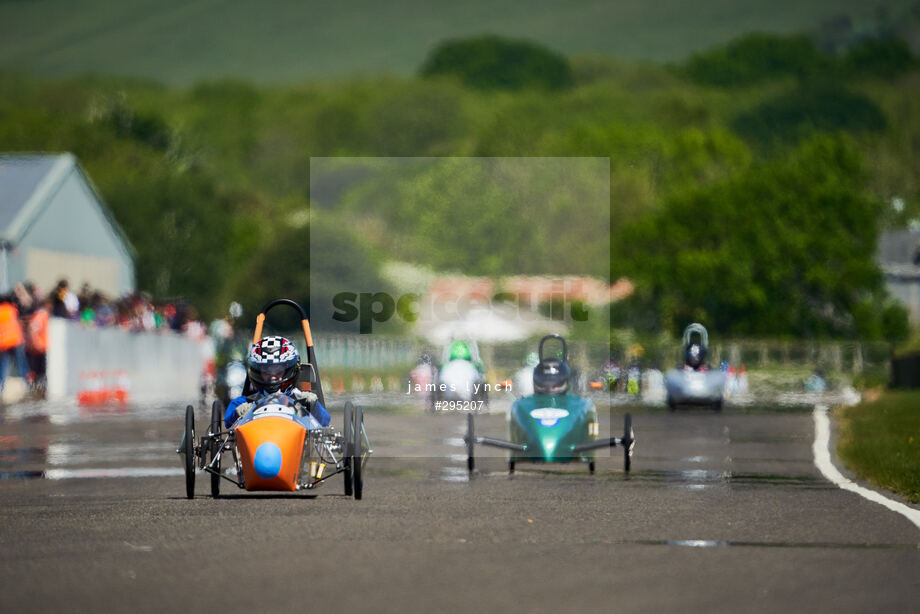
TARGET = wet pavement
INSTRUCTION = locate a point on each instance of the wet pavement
(721, 512)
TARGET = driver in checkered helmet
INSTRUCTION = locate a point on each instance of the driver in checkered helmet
(274, 366)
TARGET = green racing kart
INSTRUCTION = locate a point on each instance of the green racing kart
(552, 425)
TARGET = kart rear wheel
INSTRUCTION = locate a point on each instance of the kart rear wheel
(628, 442)
(511, 467)
(591, 467)
(470, 432)
(217, 416)
(356, 460)
(188, 449)
(349, 446)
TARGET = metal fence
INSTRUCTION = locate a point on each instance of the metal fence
(378, 352)
(364, 351)
(838, 356)
(855, 357)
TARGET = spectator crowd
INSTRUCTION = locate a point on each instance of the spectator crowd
(26, 311)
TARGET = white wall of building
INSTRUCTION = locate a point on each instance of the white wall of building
(157, 366)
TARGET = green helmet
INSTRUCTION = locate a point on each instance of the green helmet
(459, 351)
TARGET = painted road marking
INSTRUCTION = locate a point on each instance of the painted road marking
(821, 450)
(120, 472)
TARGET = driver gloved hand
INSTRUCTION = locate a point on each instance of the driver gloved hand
(242, 408)
(304, 396)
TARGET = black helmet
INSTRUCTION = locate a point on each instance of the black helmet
(694, 355)
(551, 376)
(274, 364)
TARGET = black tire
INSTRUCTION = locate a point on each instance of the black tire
(470, 434)
(671, 404)
(628, 440)
(510, 467)
(717, 406)
(348, 428)
(217, 416)
(188, 447)
(591, 467)
(356, 468)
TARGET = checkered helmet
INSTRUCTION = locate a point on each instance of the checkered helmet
(274, 364)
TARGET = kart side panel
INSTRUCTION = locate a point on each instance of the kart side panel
(695, 387)
(270, 450)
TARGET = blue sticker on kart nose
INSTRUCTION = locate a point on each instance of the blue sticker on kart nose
(267, 462)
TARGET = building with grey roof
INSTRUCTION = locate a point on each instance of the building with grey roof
(899, 259)
(54, 225)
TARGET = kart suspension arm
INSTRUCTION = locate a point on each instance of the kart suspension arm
(220, 450)
(500, 443)
(602, 443)
(221, 475)
(317, 482)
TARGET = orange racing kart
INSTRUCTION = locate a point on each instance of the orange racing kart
(277, 445)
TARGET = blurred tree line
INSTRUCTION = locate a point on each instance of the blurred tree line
(747, 184)
(783, 248)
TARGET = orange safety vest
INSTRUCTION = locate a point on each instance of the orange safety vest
(37, 341)
(10, 328)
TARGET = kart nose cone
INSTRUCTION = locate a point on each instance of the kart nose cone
(267, 461)
(270, 450)
(549, 446)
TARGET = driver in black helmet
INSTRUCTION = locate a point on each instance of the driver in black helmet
(551, 376)
(694, 355)
(273, 366)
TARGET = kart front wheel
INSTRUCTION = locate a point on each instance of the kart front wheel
(470, 431)
(188, 451)
(348, 434)
(214, 445)
(629, 440)
(356, 460)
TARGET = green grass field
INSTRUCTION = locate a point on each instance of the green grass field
(182, 41)
(880, 441)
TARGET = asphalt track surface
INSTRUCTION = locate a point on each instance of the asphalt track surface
(723, 512)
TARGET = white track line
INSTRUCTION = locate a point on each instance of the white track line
(821, 450)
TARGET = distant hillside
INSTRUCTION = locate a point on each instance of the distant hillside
(181, 41)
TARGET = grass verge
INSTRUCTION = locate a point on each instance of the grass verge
(880, 441)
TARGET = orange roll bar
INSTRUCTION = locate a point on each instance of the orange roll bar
(260, 320)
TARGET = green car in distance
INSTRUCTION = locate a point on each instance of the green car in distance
(552, 425)
(461, 374)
